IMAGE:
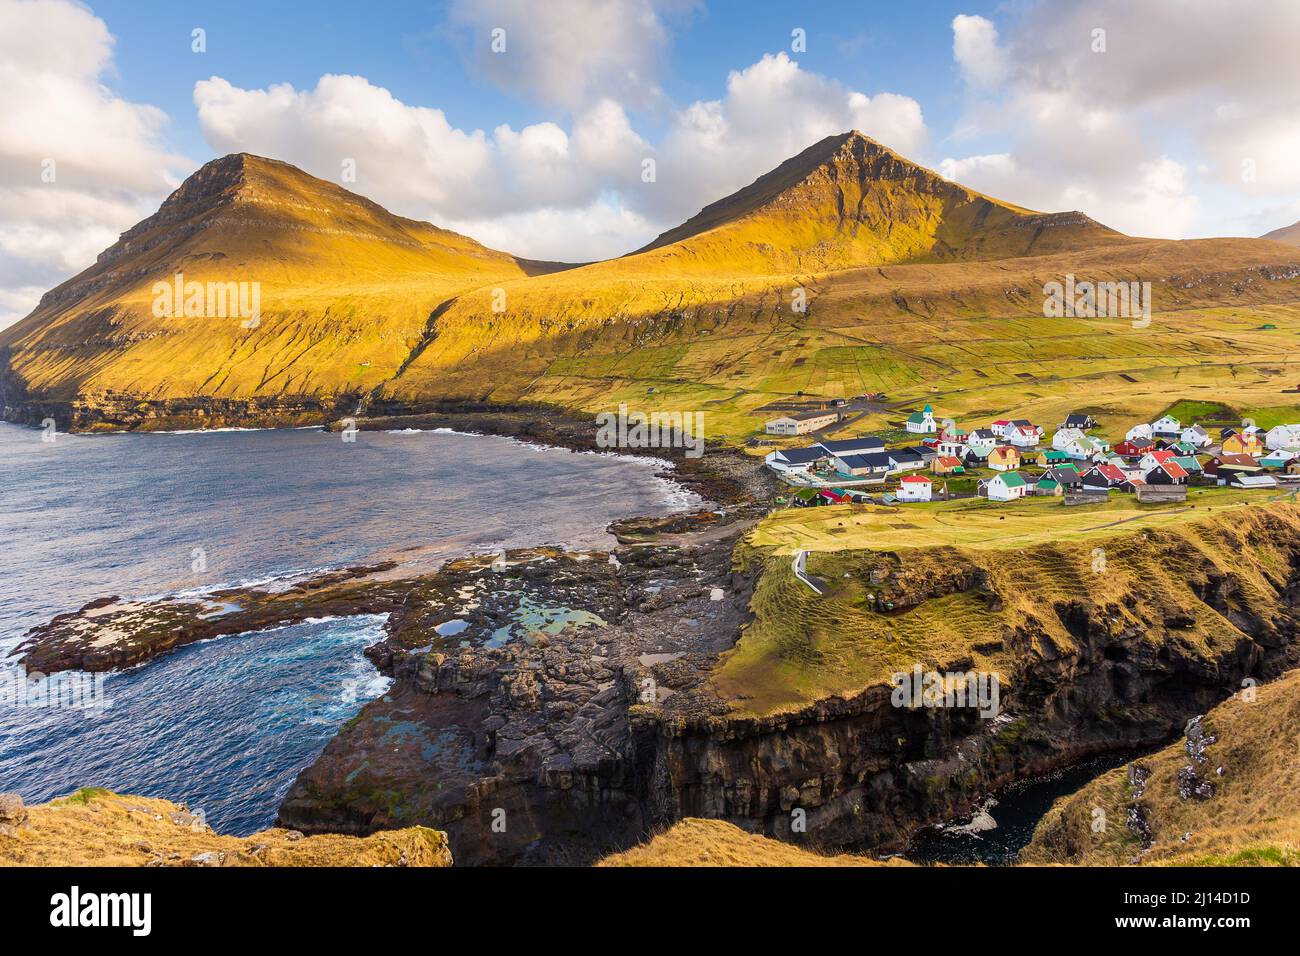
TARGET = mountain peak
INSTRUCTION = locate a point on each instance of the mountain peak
(848, 200)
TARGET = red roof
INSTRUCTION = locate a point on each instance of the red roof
(1163, 455)
(1173, 469)
(1112, 473)
(948, 461)
(1003, 421)
(914, 479)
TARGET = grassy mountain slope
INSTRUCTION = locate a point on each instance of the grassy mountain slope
(915, 286)
(1252, 817)
(847, 201)
(346, 290)
(1288, 234)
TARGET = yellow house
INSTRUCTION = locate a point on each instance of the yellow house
(1243, 445)
(1004, 458)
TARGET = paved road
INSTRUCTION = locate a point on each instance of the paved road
(814, 582)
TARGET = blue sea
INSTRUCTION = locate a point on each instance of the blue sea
(226, 725)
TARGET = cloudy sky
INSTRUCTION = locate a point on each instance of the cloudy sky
(1172, 118)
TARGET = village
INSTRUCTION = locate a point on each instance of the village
(1011, 459)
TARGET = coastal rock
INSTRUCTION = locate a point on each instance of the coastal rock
(13, 814)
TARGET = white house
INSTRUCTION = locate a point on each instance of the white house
(1196, 435)
(1140, 430)
(1282, 436)
(982, 441)
(914, 488)
(1025, 436)
(951, 447)
(1006, 487)
(922, 422)
(1061, 440)
(1083, 449)
(1167, 425)
(795, 460)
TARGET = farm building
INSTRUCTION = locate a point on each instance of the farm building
(905, 459)
(795, 460)
(1254, 481)
(1224, 467)
(863, 445)
(1047, 486)
(873, 465)
(800, 423)
(914, 488)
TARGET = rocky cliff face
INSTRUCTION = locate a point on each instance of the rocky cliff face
(550, 751)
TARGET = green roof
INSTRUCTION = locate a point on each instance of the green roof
(1046, 482)
(916, 418)
(1056, 454)
(1012, 479)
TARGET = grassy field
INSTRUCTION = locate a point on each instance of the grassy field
(918, 586)
(981, 524)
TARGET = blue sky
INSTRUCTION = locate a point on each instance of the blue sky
(1181, 121)
(410, 48)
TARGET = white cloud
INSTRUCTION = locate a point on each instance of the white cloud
(576, 234)
(527, 190)
(568, 52)
(976, 50)
(1188, 99)
(57, 114)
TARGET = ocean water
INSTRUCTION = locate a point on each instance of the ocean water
(227, 724)
(1003, 826)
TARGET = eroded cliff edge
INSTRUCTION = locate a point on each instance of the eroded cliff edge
(724, 688)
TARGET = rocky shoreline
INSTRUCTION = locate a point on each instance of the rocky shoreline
(551, 706)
